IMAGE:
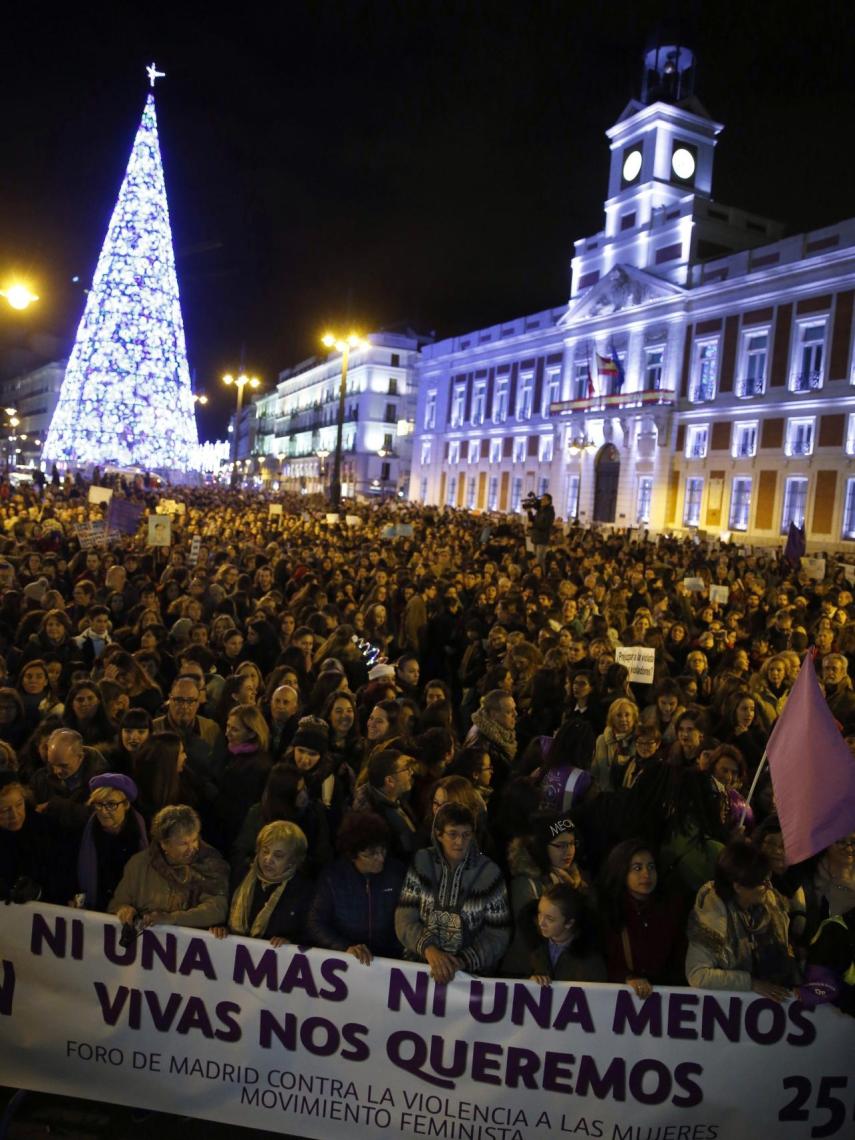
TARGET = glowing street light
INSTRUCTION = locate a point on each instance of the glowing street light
(18, 295)
(239, 382)
(344, 346)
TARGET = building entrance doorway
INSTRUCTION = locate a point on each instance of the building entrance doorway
(606, 479)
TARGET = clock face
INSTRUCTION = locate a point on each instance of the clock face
(632, 166)
(683, 163)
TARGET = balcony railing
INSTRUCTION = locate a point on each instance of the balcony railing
(751, 386)
(807, 382)
(619, 400)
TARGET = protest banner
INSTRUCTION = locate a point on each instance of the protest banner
(315, 1044)
(274, 509)
(719, 595)
(639, 660)
(91, 535)
(814, 567)
(159, 530)
(124, 516)
(100, 494)
(332, 518)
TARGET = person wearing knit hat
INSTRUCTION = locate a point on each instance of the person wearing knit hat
(113, 833)
(312, 735)
(308, 757)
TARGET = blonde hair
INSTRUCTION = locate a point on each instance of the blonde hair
(283, 831)
(618, 706)
(101, 794)
(250, 717)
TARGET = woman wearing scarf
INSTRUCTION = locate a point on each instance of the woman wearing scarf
(494, 731)
(178, 880)
(114, 832)
(273, 899)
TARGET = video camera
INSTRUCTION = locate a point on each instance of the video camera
(531, 502)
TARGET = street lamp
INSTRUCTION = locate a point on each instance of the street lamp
(577, 448)
(342, 345)
(240, 382)
(18, 295)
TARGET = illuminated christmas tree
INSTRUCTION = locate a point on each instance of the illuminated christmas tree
(126, 399)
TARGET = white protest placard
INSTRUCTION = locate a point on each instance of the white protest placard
(313, 1043)
(814, 567)
(695, 585)
(159, 530)
(100, 494)
(719, 595)
(274, 509)
(195, 547)
(639, 660)
(91, 535)
(353, 520)
(848, 572)
(332, 518)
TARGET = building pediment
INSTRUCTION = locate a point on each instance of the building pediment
(623, 287)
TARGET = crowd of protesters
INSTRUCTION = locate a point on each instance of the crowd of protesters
(409, 736)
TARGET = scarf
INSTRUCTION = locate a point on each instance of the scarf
(239, 922)
(191, 880)
(505, 738)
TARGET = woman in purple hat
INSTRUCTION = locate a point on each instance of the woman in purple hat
(112, 835)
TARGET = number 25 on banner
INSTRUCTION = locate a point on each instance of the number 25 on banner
(799, 1108)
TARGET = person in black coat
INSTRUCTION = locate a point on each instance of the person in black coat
(274, 896)
(354, 906)
(35, 853)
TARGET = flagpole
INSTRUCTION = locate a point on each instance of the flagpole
(756, 779)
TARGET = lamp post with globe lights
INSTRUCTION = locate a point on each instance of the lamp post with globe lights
(344, 345)
(239, 382)
(18, 295)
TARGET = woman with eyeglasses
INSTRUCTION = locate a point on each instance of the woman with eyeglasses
(545, 855)
(114, 832)
(831, 888)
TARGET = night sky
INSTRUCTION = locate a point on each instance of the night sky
(378, 163)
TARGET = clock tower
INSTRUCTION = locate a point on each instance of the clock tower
(659, 211)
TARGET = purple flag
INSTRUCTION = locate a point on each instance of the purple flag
(813, 771)
(796, 546)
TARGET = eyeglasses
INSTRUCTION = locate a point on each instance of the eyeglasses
(457, 836)
(110, 806)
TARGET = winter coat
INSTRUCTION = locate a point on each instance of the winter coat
(572, 965)
(651, 943)
(720, 954)
(66, 803)
(102, 857)
(352, 909)
(149, 885)
(606, 770)
(398, 816)
(462, 910)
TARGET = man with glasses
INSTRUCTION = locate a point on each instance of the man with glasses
(453, 912)
(386, 793)
(61, 788)
(203, 739)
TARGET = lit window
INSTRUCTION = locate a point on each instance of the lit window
(516, 493)
(500, 401)
(454, 451)
(645, 498)
(525, 398)
(470, 493)
(479, 401)
(450, 492)
(755, 354)
(426, 449)
(810, 353)
(493, 493)
(552, 391)
(850, 435)
(458, 405)
(520, 449)
(740, 504)
(495, 451)
(546, 446)
(581, 387)
(849, 510)
(705, 371)
(697, 437)
(544, 485)
(800, 437)
(573, 497)
(744, 440)
(795, 498)
(474, 450)
(692, 505)
(653, 358)
(423, 489)
(430, 411)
